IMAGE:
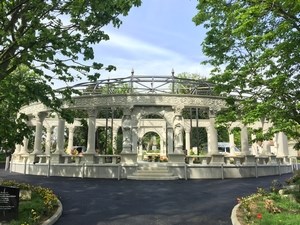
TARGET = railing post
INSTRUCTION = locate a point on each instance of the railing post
(131, 81)
(48, 172)
(173, 81)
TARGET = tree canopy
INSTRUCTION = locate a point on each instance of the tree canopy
(55, 37)
(45, 40)
(253, 47)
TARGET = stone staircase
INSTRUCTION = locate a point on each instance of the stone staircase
(152, 171)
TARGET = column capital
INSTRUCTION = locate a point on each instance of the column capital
(41, 116)
(178, 110)
(212, 112)
(92, 112)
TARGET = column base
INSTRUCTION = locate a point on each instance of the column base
(17, 157)
(56, 158)
(32, 158)
(272, 160)
(178, 150)
(249, 160)
(178, 158)
(216, 159)
(89, 158)
(128, 157)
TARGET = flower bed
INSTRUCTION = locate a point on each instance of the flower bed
(34, 210)
(280, 205)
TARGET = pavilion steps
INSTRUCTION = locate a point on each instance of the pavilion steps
(152, 171)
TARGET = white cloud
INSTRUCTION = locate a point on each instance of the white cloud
(146, 58)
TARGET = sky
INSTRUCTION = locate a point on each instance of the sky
(154, 38)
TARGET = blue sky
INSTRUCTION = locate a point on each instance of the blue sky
(154, 38)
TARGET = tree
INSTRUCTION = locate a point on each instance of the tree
(21, 88)
(253, 47)
(45, 40)
(55, 37)
(185, 84)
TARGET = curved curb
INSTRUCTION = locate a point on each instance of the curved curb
(234, 219)
(56, 215)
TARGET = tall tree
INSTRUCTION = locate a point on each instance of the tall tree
(45, 40)
(254, 48)
(55, 37)
(22, 87)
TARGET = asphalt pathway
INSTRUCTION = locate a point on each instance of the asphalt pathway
(129, 202)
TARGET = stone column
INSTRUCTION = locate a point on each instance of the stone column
(212, 136)
(17, 149)
(60, 136)
(188, 140)
(56, 157)
(48, 140)
(231, 143)
(24, 148)
(249, 158)
(37, 149)
(128, 155)
(254, 145)
(134, 139)
(71, 139)
(127, 129)
(178, 155)
(178, 134)
(16, 155)
(114, 144)
(91, 152)
(282, 145)
(170, 140)
(38, 133)
(244, 140)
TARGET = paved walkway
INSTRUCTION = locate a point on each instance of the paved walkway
(129, 202)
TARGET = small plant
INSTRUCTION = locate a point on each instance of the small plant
(295, 179)
(270, 206)
(275, 186)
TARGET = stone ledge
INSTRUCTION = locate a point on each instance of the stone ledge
(55, 216)
(234, 219)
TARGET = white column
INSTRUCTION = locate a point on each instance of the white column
(282, 144)
(71, 139)
(254, 146)
(91, 131)
(38, 133)
(231, 143)
(170, 140)
(244, 140)
(114, 144)
(48, 141)
(17, 149)
(24, 148)
(134, 137)
(60, 136)
(188, 140)
(212, 136)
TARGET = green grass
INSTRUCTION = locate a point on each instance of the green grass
(42, 205)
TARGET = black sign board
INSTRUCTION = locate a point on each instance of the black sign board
(9, 203)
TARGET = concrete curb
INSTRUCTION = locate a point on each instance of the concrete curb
(56, 215)
(234, 219)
